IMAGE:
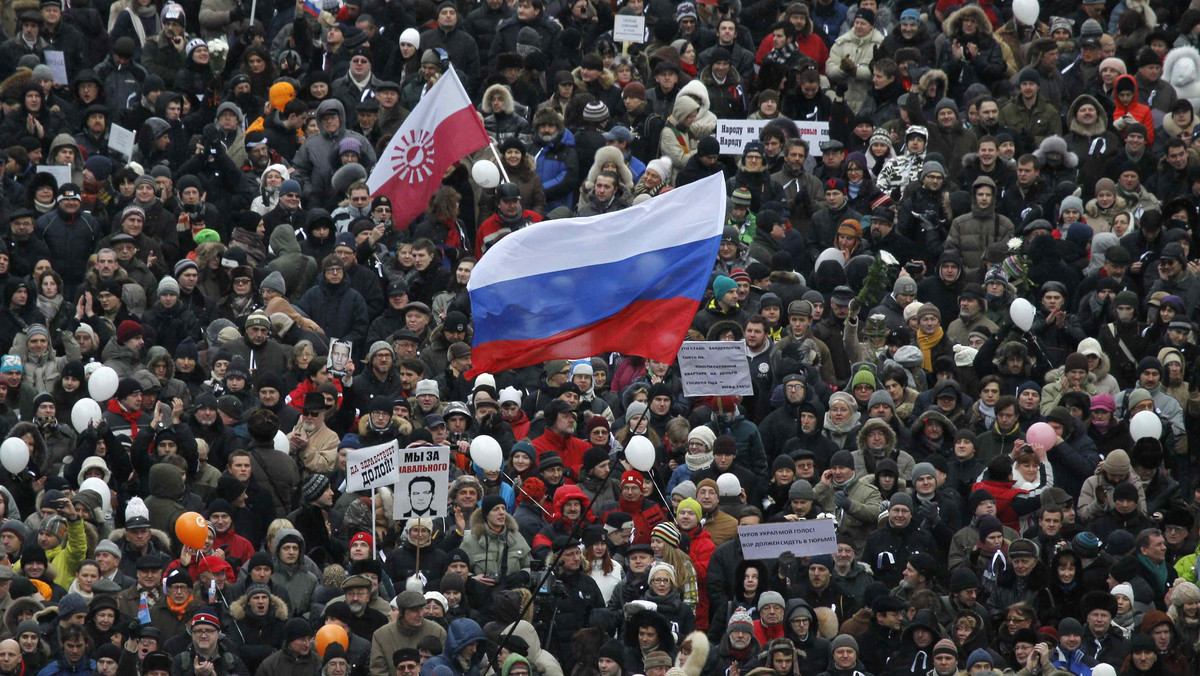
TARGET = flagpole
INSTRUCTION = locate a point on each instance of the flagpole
(374, 530)
(499, 160)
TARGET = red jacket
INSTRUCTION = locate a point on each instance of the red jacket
(700, 552)
(559, 524)
(1004, 493)
(646, 515)
(295, 398)
(570, 449)
(1139, 111)
(235, 545)
(493, 230)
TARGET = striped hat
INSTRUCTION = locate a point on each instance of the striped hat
(667, 532)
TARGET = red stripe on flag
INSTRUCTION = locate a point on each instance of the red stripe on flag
(653, 329)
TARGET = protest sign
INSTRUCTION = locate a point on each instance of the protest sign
(810, 537)
(57, 63)
(714, 368)
(629, 28)
(424, 477)
(372, 467)
(61, 173)
(733, 135)
(120, 141)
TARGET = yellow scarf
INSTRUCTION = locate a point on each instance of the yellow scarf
(926, 343)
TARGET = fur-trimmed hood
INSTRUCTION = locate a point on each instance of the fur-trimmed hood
(609, 154)
(159, 537)
(918, 427)
(872, 425)
(1181, 68)
(934, 76)
(1057, 144)
(18, 606)
(607, 79)
(404, 426)
(207, 252)
(700, 649)
(239, 610)
(478, 527)
(1095, 129)
(504, 92)
(952, 25)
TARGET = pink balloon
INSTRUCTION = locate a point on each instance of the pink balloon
(1041, 434)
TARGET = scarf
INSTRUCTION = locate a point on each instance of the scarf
(180, 609)
(46, 425)
(988, 413)
(927, 343)
(698, 461)
(132, 418)
(49, 306)
(1158, 569)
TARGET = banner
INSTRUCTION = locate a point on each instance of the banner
(424, 480)
(714, 368)
(371, 467)
(733, 135)
(810, 537)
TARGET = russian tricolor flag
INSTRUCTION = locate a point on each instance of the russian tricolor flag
(629, 282)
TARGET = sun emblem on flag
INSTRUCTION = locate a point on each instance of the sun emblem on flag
(412, 156)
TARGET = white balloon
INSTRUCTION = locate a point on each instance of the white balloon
(1146, 424)
(97, 485)
(102, 384)
(486, 453)
(640, 453)
(486, 174)
(1026, 11)
(281, 442)
(86, 411)
(14, 454)
(1021, 311)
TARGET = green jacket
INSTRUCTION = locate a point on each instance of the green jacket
(861, 518)
(1038, 122)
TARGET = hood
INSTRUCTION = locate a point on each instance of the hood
(872, 425)
(656, 620)
(953, 23)
(239, 609)
(526, 632)
(1057, 144)
(739, 576)
(1132, 80)
(159, 353)
(160, 106)
(283, 241)
(503, 91)
(463, 632)
(568, 492)
(332, 104)
(284, 532)
(606, 80)
(734, 78)
(610, 154)
(1182, 66)
(934, 76)
(698, 91)
(918, 427)
(62, 141)
(93, 462)
(233, 108)
(1095, 129)
(279, 168)
(166, 481)
(924, 619)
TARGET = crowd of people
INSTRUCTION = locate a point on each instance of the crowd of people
(966, 294)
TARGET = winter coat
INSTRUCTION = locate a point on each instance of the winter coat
(315, 161)
(501, 554)
(260, 636)
(557, 165)
(987, 67)
(298, 270)
(859, 520)
(971, 234)
(862, 53)
(337, 308)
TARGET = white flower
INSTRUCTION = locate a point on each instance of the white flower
(1014, 244)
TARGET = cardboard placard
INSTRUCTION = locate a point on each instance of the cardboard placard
(61, 173)
(714, 368)
(120, 141)
(57, 62)
(372, 467)
(809, 537)
(422, 483)
(627, 28)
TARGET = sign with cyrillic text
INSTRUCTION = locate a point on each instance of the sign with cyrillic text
(733, 135)
(714, 368)
(810, 537)
(371, 467)
(424, 478)
(629, 28)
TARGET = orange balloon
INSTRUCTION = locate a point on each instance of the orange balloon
(331, 633)
(192, 530)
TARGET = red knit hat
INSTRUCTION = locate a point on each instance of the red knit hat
(362, 536)
(632, 476)
(533, 490)
(128, 330)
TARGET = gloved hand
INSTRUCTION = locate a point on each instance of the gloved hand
(841, 500)
(786, 560)
(929, 512)
(237, 13)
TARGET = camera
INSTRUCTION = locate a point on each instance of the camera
(913, 269)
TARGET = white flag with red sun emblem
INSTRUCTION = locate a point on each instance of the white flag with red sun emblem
(442, 129)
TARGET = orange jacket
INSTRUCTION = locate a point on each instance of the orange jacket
(1139, 111)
